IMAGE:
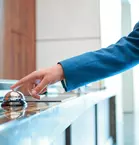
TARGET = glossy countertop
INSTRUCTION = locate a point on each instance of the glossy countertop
(42, 122)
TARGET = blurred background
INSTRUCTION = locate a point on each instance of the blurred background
(38, 33)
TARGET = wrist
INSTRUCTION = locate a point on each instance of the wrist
(60, 72)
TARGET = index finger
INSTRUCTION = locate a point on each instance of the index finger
(24, 80)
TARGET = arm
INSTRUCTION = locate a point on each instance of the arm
(106, 62)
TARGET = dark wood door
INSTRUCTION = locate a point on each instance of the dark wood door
(1, 36)
(18, 47)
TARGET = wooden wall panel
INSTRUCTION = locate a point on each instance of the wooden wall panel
(1, 36)
(19, 38)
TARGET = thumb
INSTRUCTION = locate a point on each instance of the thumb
(39, 87)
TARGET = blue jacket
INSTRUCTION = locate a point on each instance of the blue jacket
(93, 66)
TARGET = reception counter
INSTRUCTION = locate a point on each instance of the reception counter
(85, 118)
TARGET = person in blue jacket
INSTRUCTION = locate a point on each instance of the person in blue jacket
(88, 67)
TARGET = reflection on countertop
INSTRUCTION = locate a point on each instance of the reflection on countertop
(34, 106)
(54, 96)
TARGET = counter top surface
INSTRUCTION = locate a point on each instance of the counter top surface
(44, 121)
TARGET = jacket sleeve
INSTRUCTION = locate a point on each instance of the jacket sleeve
(93, 66)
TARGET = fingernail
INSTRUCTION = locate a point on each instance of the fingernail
(37, 97)
(34, 92)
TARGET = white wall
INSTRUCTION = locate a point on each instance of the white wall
(66, 28)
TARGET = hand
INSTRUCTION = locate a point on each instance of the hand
(37, 81)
